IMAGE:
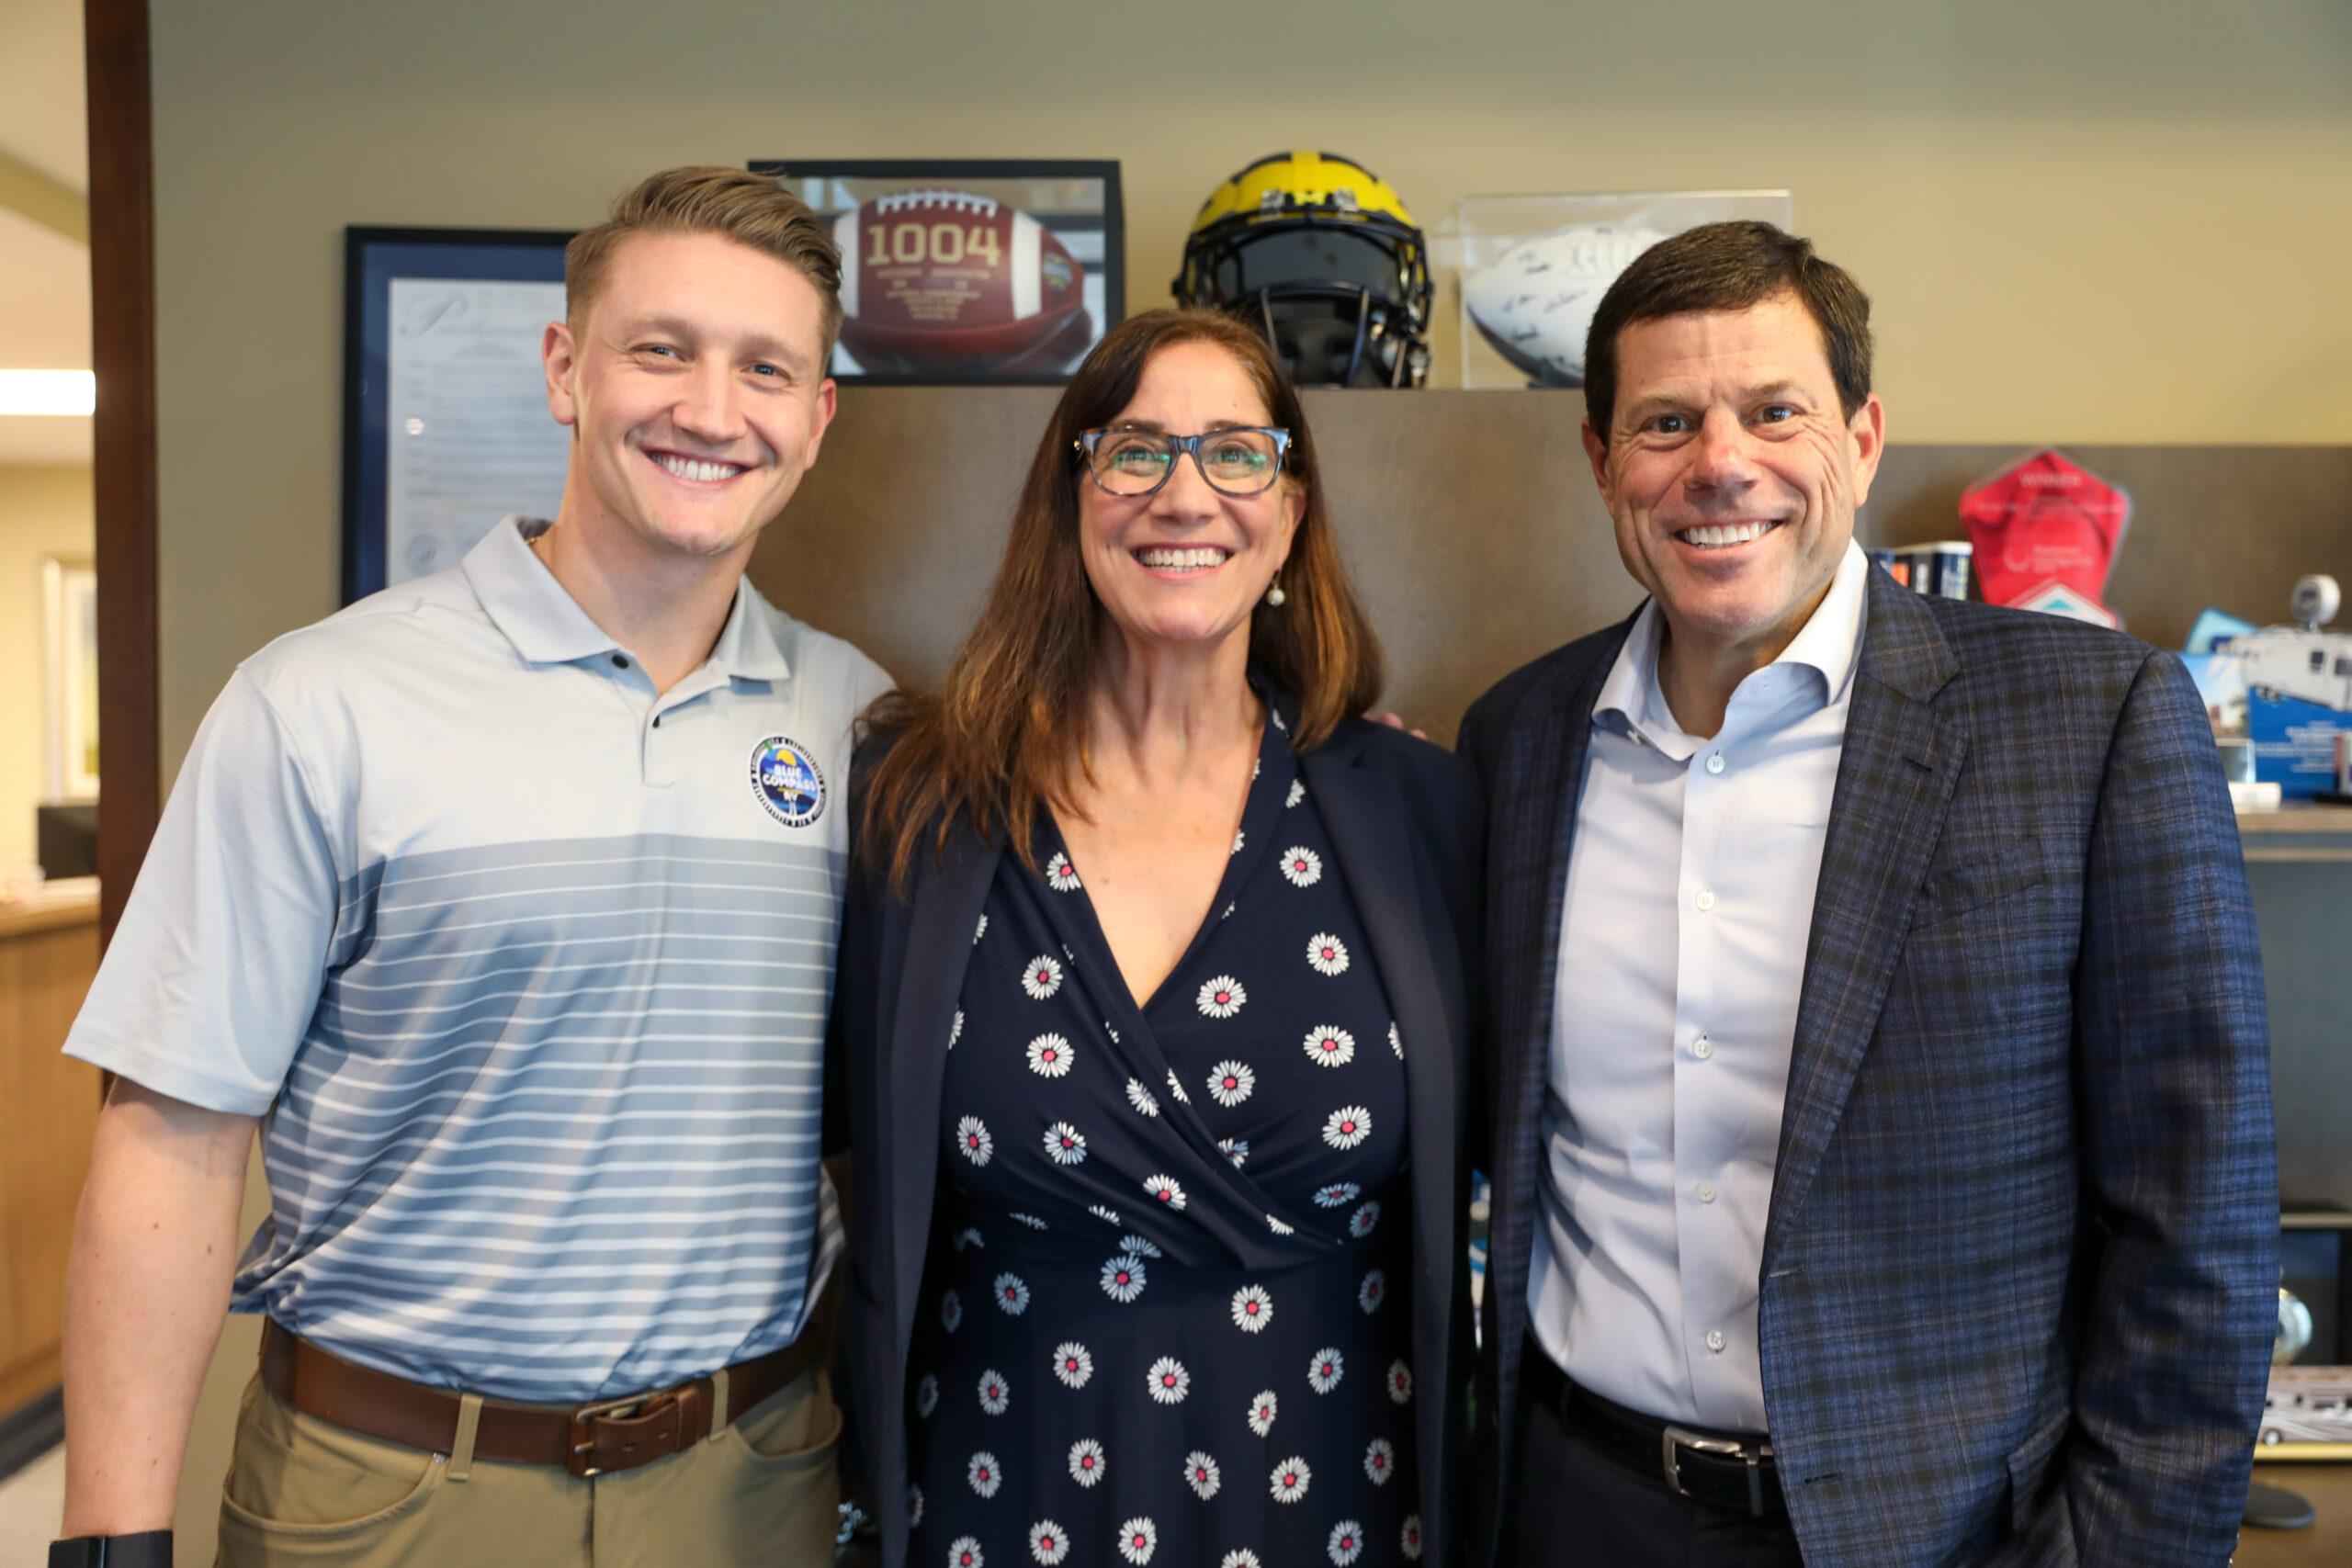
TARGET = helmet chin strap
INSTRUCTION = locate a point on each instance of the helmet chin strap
(1400, 363)
(1363, 324)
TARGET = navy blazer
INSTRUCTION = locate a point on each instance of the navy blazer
(1404, 823)
(2017, 1287)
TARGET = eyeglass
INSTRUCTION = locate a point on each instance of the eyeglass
(1243, 460)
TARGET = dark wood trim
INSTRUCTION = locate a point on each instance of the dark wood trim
(122, 313)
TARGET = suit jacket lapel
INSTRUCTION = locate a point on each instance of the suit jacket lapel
(1530, 834)
(1399, 901)
(1901, 760)
(1375, 841)
(943, 910)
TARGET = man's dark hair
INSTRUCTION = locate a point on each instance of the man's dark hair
(1730, 266)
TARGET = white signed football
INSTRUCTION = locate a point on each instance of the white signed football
(1536, 303)
(946, 282)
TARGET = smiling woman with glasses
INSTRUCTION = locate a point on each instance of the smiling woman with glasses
(1154, 1014)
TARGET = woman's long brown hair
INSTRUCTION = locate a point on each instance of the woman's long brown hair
(998, 744)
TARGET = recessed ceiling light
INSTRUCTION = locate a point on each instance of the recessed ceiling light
(48, 391)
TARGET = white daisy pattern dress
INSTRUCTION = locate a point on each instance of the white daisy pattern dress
(1164, 1333)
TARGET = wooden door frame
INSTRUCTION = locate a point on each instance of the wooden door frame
(122, 317)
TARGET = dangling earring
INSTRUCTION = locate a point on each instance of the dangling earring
(1274, 595)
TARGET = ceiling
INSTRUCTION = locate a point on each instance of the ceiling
(44, 277)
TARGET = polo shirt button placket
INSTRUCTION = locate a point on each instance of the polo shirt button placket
(648, 766)
(657, 770)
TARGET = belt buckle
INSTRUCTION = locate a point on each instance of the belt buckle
(1676, 1438)
(580, 1455)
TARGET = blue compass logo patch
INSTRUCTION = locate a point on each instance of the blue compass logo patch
(786, 780)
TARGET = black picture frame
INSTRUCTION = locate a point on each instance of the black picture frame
(825, 183)
(373, 258)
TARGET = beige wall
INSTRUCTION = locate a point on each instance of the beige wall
(43, 512)
(2094, 221)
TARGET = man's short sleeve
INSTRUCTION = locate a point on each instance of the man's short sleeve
(871, 682)
(214, 972)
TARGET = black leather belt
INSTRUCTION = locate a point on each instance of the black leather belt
(1722, 1469)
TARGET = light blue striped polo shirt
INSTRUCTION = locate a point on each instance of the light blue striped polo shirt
(527, 969)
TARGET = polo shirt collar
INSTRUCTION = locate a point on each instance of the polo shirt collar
(547, 625)
(523, 599)
(747, 646)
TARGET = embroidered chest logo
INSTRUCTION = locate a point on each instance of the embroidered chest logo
(786, 780)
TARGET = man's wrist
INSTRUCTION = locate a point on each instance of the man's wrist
(148, 1549)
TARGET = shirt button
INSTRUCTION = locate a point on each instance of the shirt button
(1702, 1047)
(1715, 762)
(1716, 1339)
(1706, 1191)
(620, 662)
(1706, 901)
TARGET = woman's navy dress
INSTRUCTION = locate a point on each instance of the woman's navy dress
(1166, 1331)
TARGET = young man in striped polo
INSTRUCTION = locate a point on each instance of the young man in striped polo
(504, 904)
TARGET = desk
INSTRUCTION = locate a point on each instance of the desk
(2296, 831)
(2328, 1542)
(48, 1108)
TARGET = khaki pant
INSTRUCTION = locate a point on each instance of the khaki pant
(762, 1491)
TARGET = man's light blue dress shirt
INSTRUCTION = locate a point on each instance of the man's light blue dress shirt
(1683, 946)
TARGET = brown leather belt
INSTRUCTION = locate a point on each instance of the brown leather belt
(587, 1440)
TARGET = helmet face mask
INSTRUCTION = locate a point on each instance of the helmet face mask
(1332, 337)
(1236, 258)
(1318, 254)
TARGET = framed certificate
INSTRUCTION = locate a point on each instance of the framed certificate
(963, 273)
(445, 424)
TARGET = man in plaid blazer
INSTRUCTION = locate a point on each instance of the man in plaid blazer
(1975, 1260)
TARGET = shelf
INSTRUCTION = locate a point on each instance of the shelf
(71, 902)
(2296, 831)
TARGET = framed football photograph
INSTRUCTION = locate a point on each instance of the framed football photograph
(444, 405)
(969, 273)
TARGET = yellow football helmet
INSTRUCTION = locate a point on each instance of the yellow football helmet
(1319, 253)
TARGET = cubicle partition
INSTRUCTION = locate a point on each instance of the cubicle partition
(1474, 530)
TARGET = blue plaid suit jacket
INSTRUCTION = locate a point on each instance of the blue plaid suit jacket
(2020, 1268)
